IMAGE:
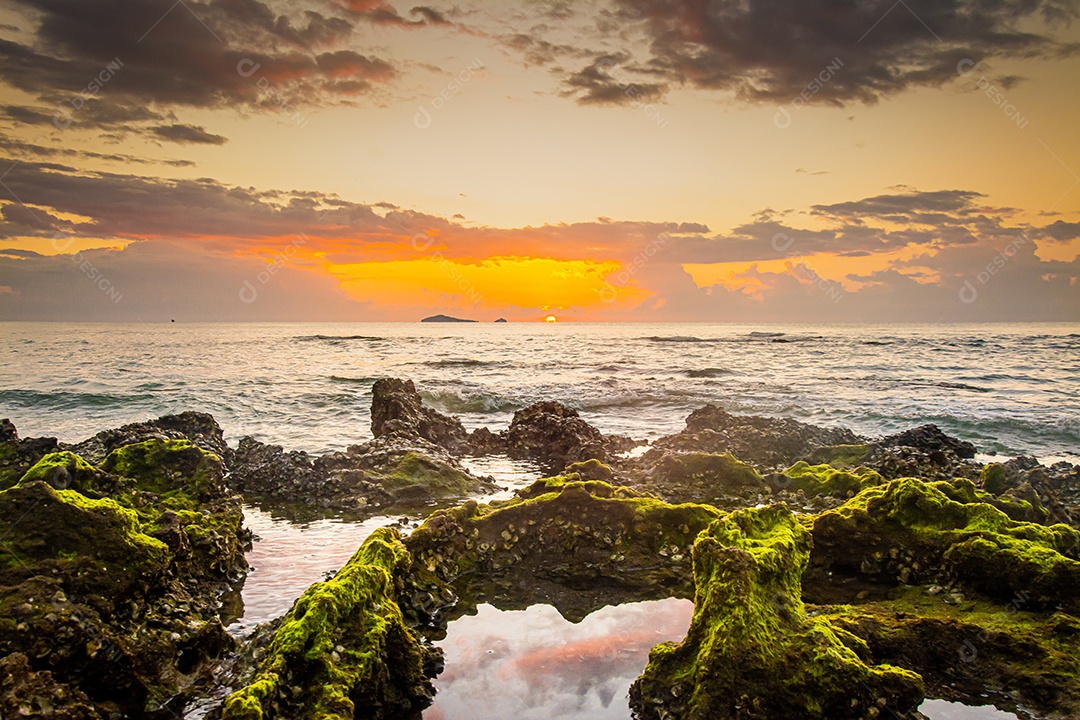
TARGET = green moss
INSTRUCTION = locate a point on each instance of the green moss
(847, 457)
(434, 478)
(94, 545)
(974, 646)
(817, 480)
(751, 651)
(922, 532)
(65, 470)
(591, 469)
(343, 651)
(176, 470)
(994, 478)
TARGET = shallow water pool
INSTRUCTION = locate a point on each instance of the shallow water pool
(533, 664)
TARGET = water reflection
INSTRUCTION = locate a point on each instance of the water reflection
(945, 710)
(289, 557)
(534, 664)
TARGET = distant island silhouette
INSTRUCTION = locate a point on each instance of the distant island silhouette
(446, 319)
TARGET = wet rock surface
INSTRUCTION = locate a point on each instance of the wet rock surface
(344, 650)
(833, 575)
(386, 472)
(200, 429)
(765, 443)
(752, 651)
(111, 576)
(397, 409)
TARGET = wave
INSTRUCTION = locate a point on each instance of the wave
(71, 400)
(707, 372)
(462, 362)
(353, 381)
(479, 403)
(957, 386)
(677, 339)
(335, 338)
(758, 334)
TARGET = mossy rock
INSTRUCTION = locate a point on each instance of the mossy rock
(96, 545)
(343, 651)
(591, 469)
(815, 480)
(67, 471)
(751, 651)
(578, 545)
(171, 469)
(974, 647)
(421, 476)
(909, 531)
(846, 457)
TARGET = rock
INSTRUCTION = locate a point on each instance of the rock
(766, 443)
(114, 573)
(578, 545)
(17, 456)
(751, 650)
(344, 650)
(200, 429)
(976, 650)
(396, 409)
(26, 693)
(910, 531)
(553, 435)
(928, 439)
(389, 470)
(1053, 490)
(720, 480)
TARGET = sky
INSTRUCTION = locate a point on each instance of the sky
(616, 160)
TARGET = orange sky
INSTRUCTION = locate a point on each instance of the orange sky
(379, 161)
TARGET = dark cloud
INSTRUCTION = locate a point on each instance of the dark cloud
(27, 150)
(200, 54)
(1060, 231)
(188, 135)
(603, 83)
(771, 50)
(814, 51)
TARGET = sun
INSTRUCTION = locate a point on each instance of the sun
(551, 318)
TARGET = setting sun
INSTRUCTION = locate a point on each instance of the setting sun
(551, 319)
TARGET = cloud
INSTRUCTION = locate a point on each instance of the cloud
(188, 134)
(158, 281)
(907, 250)
(598, 84)
(195, 54)
(773, 51)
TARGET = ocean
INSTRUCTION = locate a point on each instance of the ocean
(1009, 388)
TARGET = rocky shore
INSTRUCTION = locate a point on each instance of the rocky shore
(833, 576)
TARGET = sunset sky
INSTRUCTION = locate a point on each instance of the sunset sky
(739, 160)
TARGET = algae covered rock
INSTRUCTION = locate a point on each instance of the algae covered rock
(387, 471)
(19, 455)
(909, 531)
(200, 429)
(578, 545)
(344, 651)
(751, 651)
(765, 443)
(816, 480)
(111, 576)
(975, 649)
(720, 480)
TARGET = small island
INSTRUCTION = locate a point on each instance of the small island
(446, 319)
